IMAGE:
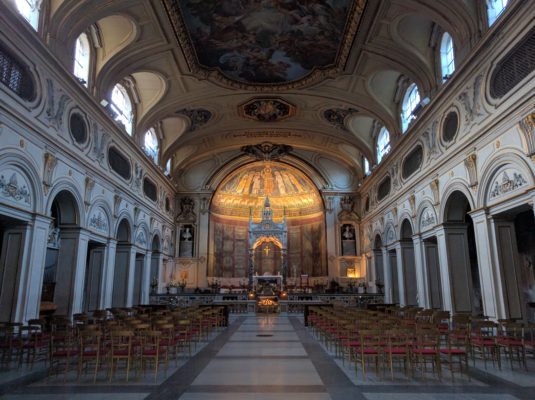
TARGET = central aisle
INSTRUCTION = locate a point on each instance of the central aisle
(263, 359)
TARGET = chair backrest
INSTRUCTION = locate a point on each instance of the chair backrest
(121, 342)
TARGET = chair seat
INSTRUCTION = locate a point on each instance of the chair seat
(453, 351)
(424, 351)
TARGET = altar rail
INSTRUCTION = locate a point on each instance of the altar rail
(240, 303)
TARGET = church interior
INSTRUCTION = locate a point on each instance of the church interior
(252, 199)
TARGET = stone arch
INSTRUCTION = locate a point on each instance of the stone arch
(496, 170)
(406, 229)
(377, 241)
(25, 166)
(456, 185)
(67, 186)
(123, 231)
(156, 243)
(126, 219)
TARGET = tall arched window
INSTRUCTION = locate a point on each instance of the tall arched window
(383, 144)
(494, 9)
(366, 165)
(150, 145)
(410, 101)
(29, 9)
(82, 58)
(167, 170)
(447, 56)
(122, 106)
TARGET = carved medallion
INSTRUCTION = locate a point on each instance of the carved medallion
(266, 110)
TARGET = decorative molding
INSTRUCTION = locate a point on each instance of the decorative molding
(432, 142)
(267, 151)
(472, 107)
(12, 189)
(503, 183)
(435, 189)
(470, 163)
(138, 176)
(394, 175)
(53, 114)
(337, 116)
(117, 199)
(187, 213)
(50, 162)
(527, 130)
(412, 203)
(89, 185)
(266, 109)
(100, 143)
(197, 117)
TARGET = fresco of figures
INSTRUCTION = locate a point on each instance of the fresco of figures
(265, 41)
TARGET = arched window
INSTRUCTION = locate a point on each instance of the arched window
(366, 165)
(383, 144)
(494, 9)
(82, 58)
(447, 57)
(29, 9)
(150, 145)
(410, 101)
(122, 106)
(167, 171)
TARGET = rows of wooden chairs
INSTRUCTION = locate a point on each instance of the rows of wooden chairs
(110, 340)
(419, 340)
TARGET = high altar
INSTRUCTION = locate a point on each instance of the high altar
(263, 233)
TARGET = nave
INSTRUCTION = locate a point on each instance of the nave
(270, 357)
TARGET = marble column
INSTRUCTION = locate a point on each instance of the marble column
(444, 269)
(130, 280)
(108, 274)
(145, 278)
(202, 245)
(421, 273)
(400, 274)
(72, 260)
(387, 275)
(491, 285)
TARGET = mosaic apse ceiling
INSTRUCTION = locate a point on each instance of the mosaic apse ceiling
(247, 187)
(265, 42)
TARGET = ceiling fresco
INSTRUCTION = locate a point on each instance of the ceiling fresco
(265, 42)
(286, 187)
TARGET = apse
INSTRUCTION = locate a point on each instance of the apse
(240, 199)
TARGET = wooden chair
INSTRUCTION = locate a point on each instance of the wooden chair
(398, 348)
(511, 339)
(426, 350)
(456, 351)
(91, 351)
(63, 352)
(483, 342)
(372, 344)
(121, 351)
(152, 352)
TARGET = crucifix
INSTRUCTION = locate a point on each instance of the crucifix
(266, 250)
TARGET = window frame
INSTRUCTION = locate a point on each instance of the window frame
(88, 60)
(410, 102)
(386, 148)
(155, 154)
(30, 11)
(492, 18)
(447, 56)
(121, 116)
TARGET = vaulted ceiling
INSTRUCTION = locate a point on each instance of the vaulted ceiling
(214, 75)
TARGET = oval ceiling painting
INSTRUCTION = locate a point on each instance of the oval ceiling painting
(262, 42)
(246, 189)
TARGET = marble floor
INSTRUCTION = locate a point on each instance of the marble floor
(272, 357)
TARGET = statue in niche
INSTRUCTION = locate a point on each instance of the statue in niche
(186, 241)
